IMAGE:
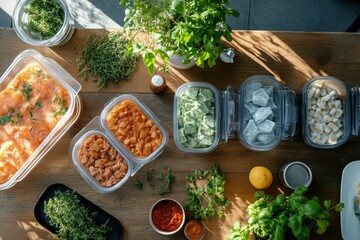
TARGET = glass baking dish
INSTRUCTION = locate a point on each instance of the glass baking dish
(61, 77)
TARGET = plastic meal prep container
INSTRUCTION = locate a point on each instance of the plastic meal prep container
(195, 103)
(271, 111)
(87, 132)
(330, 112)
(99, 125)
(65, 80)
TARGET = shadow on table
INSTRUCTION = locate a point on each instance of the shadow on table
(5, 19)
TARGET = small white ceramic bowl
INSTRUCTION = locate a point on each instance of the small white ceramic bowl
(162, 205)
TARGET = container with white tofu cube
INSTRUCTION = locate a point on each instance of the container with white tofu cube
(327, 118)
(267, 113)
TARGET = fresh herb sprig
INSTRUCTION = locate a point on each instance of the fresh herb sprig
(107, 59)
(207, 200)
(7, 118)
(166, 178)
(26, 90)
(45, 17)
(269, 218)
(139, 184)
(149, 177)
(169, 180)
(73, 220)
(62, 106)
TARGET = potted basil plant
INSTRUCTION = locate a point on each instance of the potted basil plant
(285, 217)
(192, 29)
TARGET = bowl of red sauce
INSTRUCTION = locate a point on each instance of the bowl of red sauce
(167, 216)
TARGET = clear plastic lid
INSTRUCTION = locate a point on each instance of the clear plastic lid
(69, 83)
(230, 100)
(267, 113)
(330, 112)
(197, 117)
(94, 128)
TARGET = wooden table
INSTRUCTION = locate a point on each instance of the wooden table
(293, 58)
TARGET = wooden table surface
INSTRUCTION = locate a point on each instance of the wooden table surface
(293, 58)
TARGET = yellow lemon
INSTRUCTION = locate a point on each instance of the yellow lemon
(260, 177)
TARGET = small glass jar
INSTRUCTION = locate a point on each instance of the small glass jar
(20, 20)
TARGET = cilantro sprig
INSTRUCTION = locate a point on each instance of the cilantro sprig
(207, 200)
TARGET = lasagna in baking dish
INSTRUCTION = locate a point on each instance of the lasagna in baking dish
(30, 107)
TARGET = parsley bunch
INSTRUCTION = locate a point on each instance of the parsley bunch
(73, 220)
(206, 200)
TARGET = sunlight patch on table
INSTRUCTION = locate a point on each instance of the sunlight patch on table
(266, 47)
(90, 16)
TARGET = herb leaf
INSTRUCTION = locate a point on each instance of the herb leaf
(207, 199)
(107, 58)
(73, 220)
(269, 218)
(26, 90)
(62, 106)
(138, 184)
(7, 118)
(45, 17)
(170, 178)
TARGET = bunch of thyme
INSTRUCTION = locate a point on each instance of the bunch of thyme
(73, 220)
(45, 17)
(107, 59)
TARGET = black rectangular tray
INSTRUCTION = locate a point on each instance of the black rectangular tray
(100, 218)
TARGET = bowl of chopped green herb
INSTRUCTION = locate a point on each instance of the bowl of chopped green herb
(43, 22)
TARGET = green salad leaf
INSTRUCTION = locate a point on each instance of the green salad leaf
(273, 218)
